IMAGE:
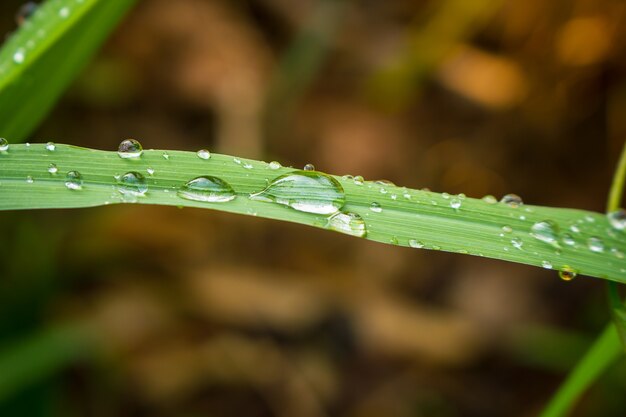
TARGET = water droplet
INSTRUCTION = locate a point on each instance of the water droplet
(617, 253)
(73, 180)
(546, 264)
(64, 12)
(595, 244)
(347, 177)
(375, 207)
(309, 167)
(274, 165)
(568, 239)
(507, 229)
(150, 171)
(384, 182)
(589, 219)
(445, 196)
(132, 184)
(567, 273)
(512, 200)
(489, 199)
(237, 161)
(545, 231)
(358, 180)
(52, 169)
(4, 145)
(348, 223)
(51, 146)
(203, 154)
(208, 189)
(166, 156)
(455, 203)
(308, 191)
(30, 179)
(416, 244)
(407, 196)
(130, 149)
(247, 165)
(19, 55)
(383, 190)
(517, 243)
(393, 197)
(574, 228)
(25, 12)
(617, 219)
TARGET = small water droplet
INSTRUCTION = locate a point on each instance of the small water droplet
(348, 223)
(617, 219)
(130, 149)
(25, 12)
(73, 180)
(237, 161)
(150, 171)
(358, 180)
(393, 196)
(29, 179)
(247, 165)
(407, 196)
(208, 189)
(445, 196)
(309, 167)
(568, 239)
(384, 182)
(19, 55)
(517, 243)
(52, 169)
(64, 12)
(455, 203)
(4, 145)
(347, 177)
(375, 207)
(436, 247)
(595, 244)
(393, 240)
(574, 228)
(489, 199)
(51, 146)
(132, 184)
(545, 231)
(203, 154)
(546, 264)
(507, 229)
(589, 219)
(308, 191)
(414, 243)
(274, 165)
(166, 156)
(512, 200)
(617, 253)
(567, 273)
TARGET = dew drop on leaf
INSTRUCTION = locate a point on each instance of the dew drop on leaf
(348, 223)
(375, 207)
(307, 191)
(567, 273)
(73, 180)
(595, 244)
(132, 184)
(617, 219)
(52, 169)
(203, 154)
(4, 145)
(545, 231)
(208, 189)
(130, 149)
(51, 146)
(512, 200)
(309, 167)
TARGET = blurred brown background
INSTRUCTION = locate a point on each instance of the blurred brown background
(201, 313)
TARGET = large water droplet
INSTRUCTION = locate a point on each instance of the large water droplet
(73, 180)
(274, 165)
(308, 191)
(25, 12)
(512, 200)
(4, 145)
(208, 189)
(545, 231)
(130, 149)
(595, 244)
(203, 154)
(348, 223)
(617, 219)
(132, 184)
(309, 167)
(567, 273)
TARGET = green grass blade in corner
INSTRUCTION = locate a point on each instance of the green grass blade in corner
(404, 217)
(44, 55)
